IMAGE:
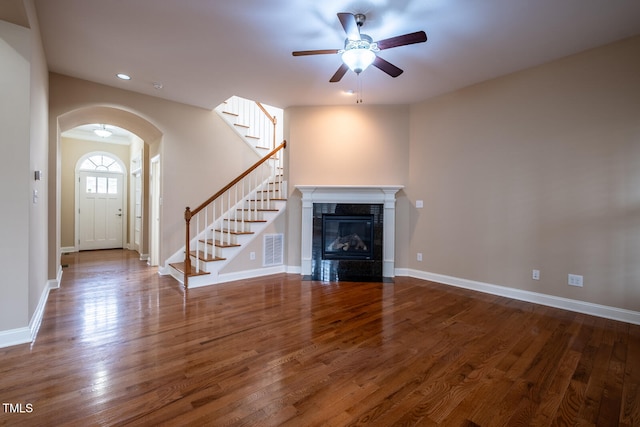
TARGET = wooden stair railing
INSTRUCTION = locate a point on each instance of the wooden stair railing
(263, 180)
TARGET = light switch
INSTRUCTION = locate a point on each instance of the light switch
(419, 204)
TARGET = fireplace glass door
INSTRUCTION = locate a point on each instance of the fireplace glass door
(347, 237)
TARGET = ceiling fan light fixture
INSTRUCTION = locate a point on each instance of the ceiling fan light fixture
(102, 132)
(358, 59)
(359, 54)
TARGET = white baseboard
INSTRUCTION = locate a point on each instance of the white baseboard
(164, 270)
(28, 334)
(549, 300)
(250, 274)
(293, 269)
(15, 337)
(68, 249)
(144, 257)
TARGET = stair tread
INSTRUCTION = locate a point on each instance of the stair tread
(251, 221)
(259, 210)
(239, 232)
(231, 113)
(240, 125)
(220, 244)
(180, 267)
(208, 258)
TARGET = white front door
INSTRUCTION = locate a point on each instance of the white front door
(100, 210)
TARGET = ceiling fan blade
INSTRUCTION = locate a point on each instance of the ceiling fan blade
(411, 38)
(339, 74)
(314, 52)
(348, 21)
(387, 67)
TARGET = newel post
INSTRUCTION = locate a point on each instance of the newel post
(187, 250)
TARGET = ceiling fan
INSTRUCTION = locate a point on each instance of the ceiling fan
(360, 50)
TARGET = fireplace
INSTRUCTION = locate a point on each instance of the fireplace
(347, 237)
(344, 207)
(347, 242)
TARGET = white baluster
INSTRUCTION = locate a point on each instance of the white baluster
(197, 242)
(228, 208)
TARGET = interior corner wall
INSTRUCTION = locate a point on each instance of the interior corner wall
(345, 145)
(15, 182)
(535, 170)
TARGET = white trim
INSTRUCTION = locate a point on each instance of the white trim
(241, 275)
(125, 195)
(28, 334)
(294, 269)
(378, 194)
(68, 249)
(598, 310)
(144, 257)
(15, 336)
(154, 219)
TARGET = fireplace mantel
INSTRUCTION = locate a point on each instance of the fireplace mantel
(379, 194)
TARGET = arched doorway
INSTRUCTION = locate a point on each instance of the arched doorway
(151, 139)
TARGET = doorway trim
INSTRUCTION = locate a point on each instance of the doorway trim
(76, 185)
(155, 208)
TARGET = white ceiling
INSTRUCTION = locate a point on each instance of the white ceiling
(203, 51)
(86, 132)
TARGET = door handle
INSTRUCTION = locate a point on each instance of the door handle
(118, 214)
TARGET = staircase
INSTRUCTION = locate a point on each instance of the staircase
(220, 228)
(255, 123)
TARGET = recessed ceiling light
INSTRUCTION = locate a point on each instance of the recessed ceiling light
(123, 76)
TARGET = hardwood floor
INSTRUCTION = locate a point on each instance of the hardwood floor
(120, 345)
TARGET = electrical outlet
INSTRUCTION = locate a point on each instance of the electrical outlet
(419, 257)
(575, 280)
(252, 256)
(535, 274)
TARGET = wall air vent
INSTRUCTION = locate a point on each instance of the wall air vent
(273, 250)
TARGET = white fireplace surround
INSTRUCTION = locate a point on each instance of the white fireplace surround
(364, 194)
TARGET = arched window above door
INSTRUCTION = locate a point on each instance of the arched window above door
(101, 163)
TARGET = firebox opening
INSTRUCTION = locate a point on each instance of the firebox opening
(347, 237)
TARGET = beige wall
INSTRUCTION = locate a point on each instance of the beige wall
(23, 120)
(39, 157)
(535, 170)
(14, 149)
(347, 145)
(72, 150)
